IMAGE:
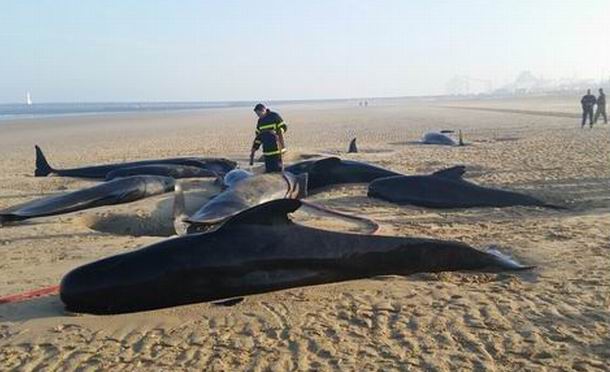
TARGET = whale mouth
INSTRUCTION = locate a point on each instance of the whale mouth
(372, 193)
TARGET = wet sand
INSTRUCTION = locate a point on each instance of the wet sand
(554, 317)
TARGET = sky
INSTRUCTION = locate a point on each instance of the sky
(127, 50)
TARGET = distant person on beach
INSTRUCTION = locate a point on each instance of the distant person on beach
(587, 102)
(601, 107)
(270, 131)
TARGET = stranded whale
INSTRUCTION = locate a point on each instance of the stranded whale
(447, 189)
(175, 171)
(120, 190)
(333, 171)
(248, 192)
(217, 165)
(256, 251)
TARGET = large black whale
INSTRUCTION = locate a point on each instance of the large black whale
(217, 165)
(175, 171)
(442, 138)
(246, 193)
(333, 171)
(120, 190)
(447, 189)
(256, 251)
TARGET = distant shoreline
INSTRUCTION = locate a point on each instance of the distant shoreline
(20, 111)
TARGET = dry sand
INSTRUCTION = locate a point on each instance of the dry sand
(555, 317)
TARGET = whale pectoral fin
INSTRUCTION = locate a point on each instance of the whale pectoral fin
(274, 212)
(325, 164)
(229, 302)
(302, 180)
(455, 173)
(180, 225)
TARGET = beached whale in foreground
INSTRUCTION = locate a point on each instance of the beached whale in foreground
(217, 165)
(333, 171)
(246, 193)
(121, 190)
(257, 251)
(175, 171)
(447, 189)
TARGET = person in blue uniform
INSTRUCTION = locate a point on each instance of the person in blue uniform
(270, 130)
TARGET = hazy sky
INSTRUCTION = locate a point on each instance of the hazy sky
(259, 50)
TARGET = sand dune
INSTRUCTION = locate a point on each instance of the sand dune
(556, 317)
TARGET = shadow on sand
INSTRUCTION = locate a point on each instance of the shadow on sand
(37, 308)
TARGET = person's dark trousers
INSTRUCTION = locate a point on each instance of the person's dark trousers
(587, 112)
(601, 111)
(273, 163)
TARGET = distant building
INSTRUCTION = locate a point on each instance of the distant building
(465, 85)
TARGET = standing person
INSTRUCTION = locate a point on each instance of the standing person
(587, 102)
(270, 131)
(601, 107)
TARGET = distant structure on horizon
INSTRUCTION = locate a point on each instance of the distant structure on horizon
(28, 99)
(466, 85)
(526, 83)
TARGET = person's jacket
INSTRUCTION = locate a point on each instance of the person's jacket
(588, 101)
(268, 128)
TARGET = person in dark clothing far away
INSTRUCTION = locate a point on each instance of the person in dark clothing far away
(587, 102)
(270, 131)
(601, 107)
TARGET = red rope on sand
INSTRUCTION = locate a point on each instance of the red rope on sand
(47, 291)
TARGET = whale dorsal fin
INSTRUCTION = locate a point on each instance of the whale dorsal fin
(274, 212)
(42, 165)
(454, 173)
(325, 164)
(352, 147)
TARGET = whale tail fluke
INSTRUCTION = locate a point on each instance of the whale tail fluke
(505, 262)
(42, 165)
(180, 226)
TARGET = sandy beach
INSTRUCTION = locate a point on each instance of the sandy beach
(555, 317)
